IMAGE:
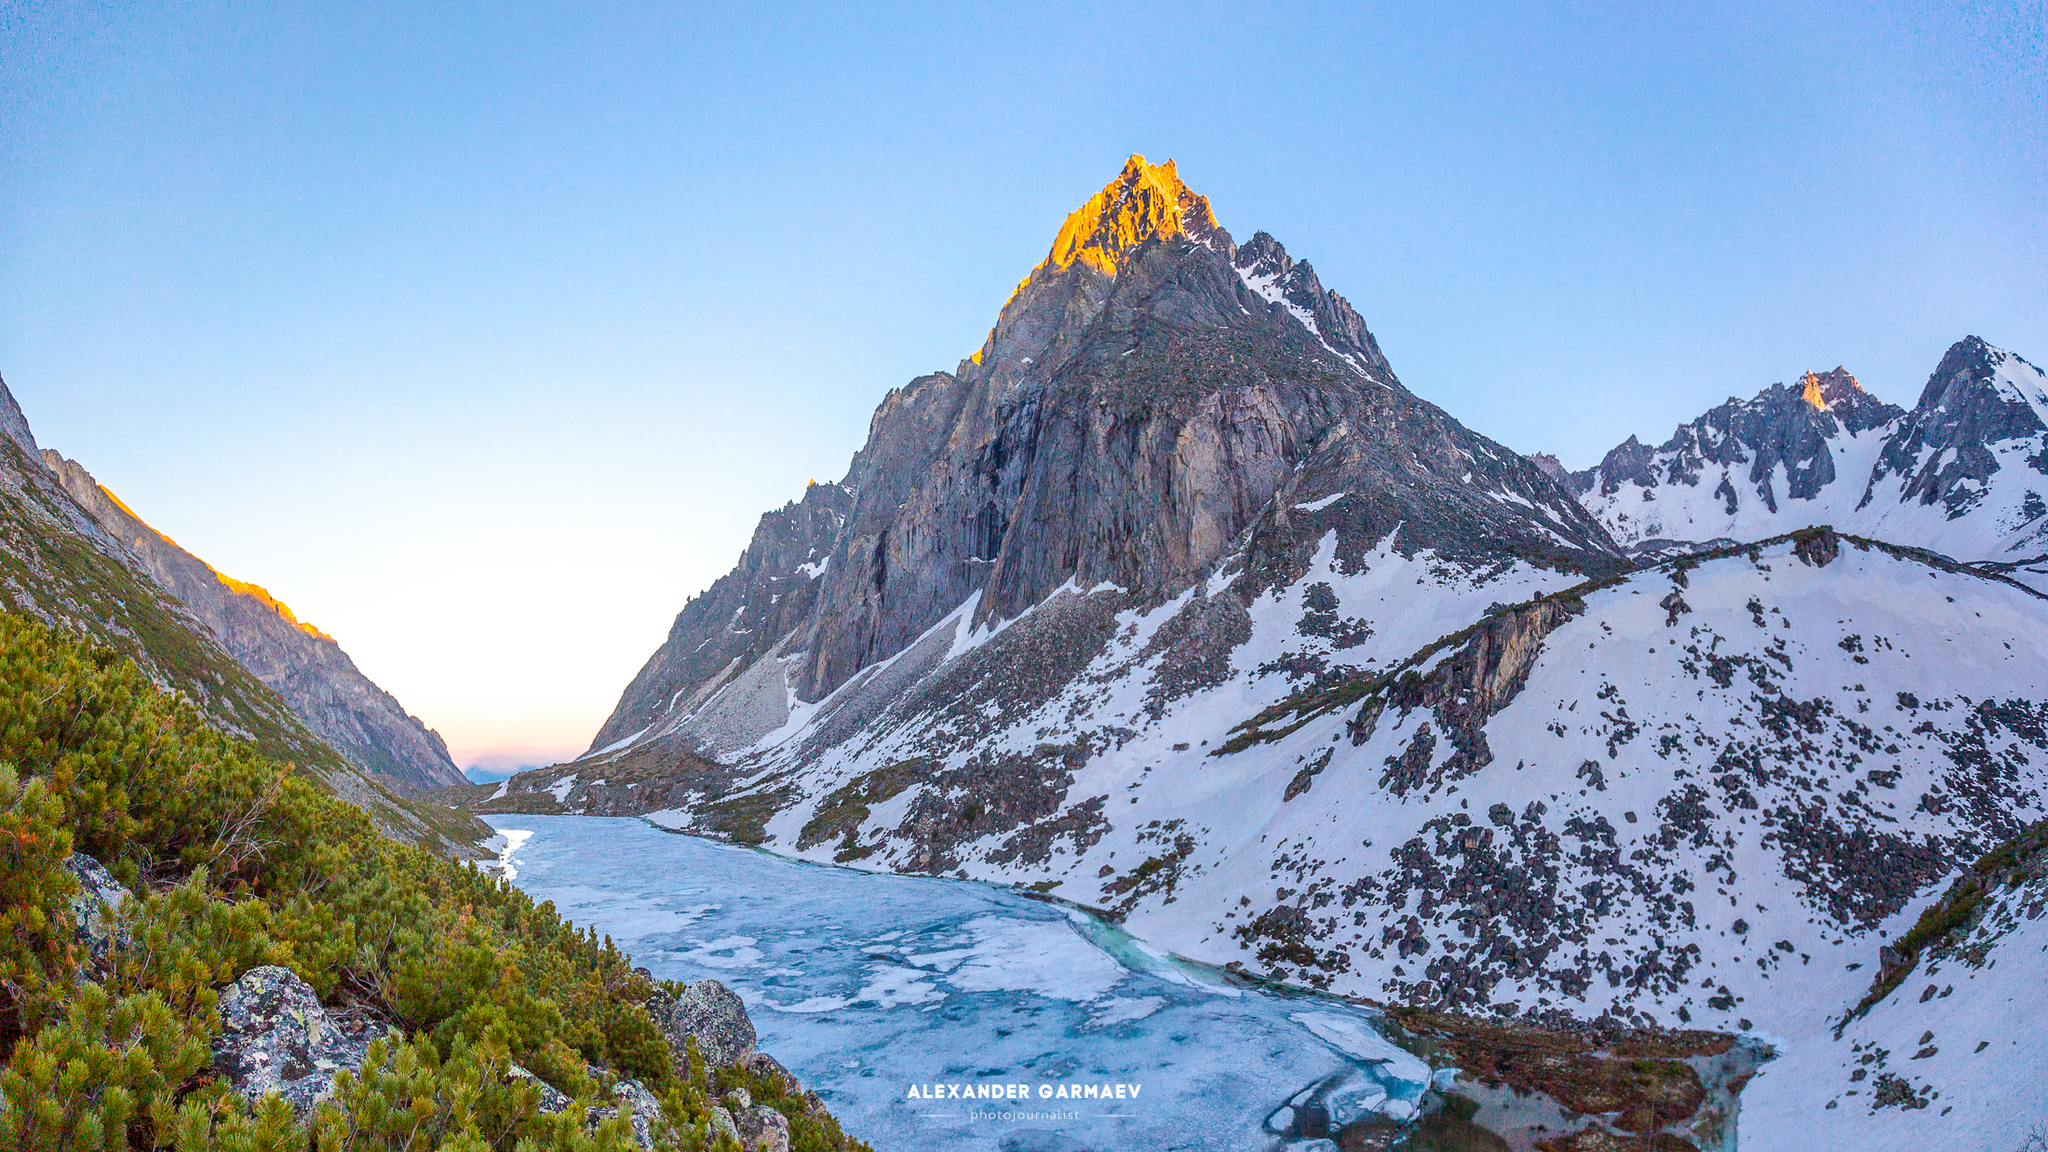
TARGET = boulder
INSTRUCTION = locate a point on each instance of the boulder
(770, 1069)
(275, 1037)
(638, 1106)
(762, 1129)
(722, 1123)
(99, 896)
(630, 1100)
(714, 1015)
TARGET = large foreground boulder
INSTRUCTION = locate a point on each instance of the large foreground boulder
(275, 1037)
(711, 1013)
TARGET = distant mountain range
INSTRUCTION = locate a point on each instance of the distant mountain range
(73, 555)
(1961, 474)
(494, 764)
(1172, 601)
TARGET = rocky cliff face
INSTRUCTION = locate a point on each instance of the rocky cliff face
(60, 565)
(1965, 473)
(749, 615)
(296, 660)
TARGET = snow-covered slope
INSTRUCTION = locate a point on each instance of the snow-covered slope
(1703, 794)
(1965, 473)
(1948, 1057)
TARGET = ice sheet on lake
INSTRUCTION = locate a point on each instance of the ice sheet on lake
(865, 984)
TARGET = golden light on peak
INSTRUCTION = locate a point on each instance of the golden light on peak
(1145, 200)
(1810, 392)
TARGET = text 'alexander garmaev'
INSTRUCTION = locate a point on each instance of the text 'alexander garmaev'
(1022, 1091)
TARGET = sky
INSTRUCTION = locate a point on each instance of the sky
(482, 334)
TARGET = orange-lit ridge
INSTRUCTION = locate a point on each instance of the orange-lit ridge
(273, 603)
(239, 587)
(1810, 390)
(1145, 200)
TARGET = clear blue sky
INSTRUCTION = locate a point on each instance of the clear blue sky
(481, 335)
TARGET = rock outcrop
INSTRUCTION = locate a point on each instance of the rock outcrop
(276, 1037)
(298, 661)
(712, 1015)
(640, 1108)
(761, 1128)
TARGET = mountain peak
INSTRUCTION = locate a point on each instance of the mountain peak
(1824, 390)
(1144, 202)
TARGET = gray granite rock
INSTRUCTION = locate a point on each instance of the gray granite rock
(641, 1108)
(770, 1069)
(552, 1099)
(714, 1015)
(99, 897)
(762, 1129)
(275, 1037)
(722, 1124)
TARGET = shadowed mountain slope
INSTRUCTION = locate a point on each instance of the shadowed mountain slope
(298, 661)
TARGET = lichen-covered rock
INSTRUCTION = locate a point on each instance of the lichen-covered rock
(552, 1099)
(763, 1129)
(714, 1015)
(640, 1107)
(275, 1037)
(722, 1123)
(770, 1069)
(99, 895)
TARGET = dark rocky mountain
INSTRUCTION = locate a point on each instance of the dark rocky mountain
(1978, 426)
(1151, 394)
(298, 661)
(61, 566)
(1965, 473)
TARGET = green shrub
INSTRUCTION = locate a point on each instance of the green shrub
(103, 1077)
(35, 895)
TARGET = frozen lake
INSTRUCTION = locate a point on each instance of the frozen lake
(886, 994)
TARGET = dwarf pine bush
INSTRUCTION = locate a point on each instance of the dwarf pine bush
(233, 862)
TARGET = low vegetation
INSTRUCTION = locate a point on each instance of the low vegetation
(235, 861)
(1949, 919)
